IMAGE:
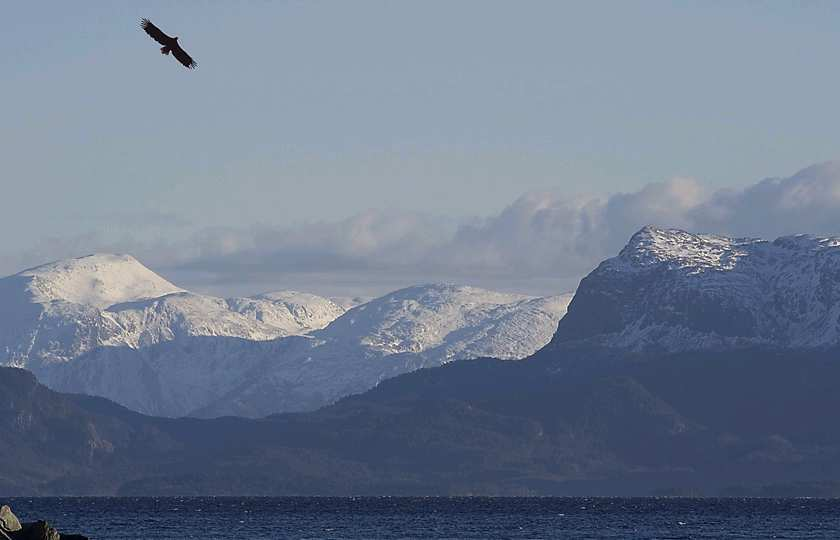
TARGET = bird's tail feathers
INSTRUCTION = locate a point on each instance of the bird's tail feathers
(164, 50)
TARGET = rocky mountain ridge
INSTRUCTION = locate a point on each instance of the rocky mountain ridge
(670, 290)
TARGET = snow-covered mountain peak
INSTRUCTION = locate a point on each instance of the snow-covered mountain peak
(418, 318)
(58, 311)
(673, 290)
(99, 280)
(680, 249)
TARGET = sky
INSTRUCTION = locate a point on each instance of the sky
(355, 147)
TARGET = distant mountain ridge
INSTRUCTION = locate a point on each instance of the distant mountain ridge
(413, 328)
(670, 290)
(106, 325)
(56, 312)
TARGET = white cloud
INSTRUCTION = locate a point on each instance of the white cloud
(541, 238)
(807, 202)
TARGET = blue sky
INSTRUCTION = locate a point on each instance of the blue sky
(318, 111)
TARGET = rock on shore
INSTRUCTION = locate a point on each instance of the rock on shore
(12, 529)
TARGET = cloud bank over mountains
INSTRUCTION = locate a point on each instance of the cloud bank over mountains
(549, 238)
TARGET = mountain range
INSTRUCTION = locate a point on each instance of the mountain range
(106, 325)
(661, 395)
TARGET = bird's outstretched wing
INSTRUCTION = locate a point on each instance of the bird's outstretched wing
(155, 32)
(182, 56)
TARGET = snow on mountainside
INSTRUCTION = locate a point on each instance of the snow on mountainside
(409, 329)
(463, 322)
(106, 325)
(405, 330)
(674, 291)
(96, 280)
(59, 311)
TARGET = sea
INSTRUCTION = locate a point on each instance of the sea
(251, 518)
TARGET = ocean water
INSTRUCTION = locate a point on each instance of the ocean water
(400, 517)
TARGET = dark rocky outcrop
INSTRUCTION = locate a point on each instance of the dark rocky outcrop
(12, 529)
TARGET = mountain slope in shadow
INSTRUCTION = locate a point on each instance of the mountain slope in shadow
(563, 422)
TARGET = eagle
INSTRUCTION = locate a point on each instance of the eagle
(170, 44)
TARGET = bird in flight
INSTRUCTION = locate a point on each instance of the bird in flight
(170, 44)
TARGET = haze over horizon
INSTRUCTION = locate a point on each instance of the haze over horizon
(356, 149)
